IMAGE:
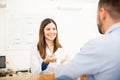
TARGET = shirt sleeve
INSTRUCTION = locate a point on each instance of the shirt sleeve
(44, 66)
(36, 61)
(85, 61)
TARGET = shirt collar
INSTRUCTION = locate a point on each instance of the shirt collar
(112, 28)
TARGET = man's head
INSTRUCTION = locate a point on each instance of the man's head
(108, 14)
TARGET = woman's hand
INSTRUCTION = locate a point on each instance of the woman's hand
(50, 58)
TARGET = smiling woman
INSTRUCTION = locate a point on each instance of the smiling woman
(44, 58)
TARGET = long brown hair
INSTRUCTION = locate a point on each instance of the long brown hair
(41, 45)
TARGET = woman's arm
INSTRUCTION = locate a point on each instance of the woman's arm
(36, 62)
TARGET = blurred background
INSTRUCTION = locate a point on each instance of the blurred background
(20, 21)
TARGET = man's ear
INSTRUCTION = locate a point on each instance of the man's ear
(102, 14)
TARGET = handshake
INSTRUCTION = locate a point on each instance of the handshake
(50, 58)
(53, 58)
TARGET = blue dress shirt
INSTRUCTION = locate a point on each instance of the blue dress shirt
(99, 59)
(44, 66)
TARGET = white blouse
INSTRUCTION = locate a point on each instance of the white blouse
(36, 61)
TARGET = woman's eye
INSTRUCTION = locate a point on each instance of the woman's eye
(54, 28)
(48, 29)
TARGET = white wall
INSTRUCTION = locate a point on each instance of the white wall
(20, 20)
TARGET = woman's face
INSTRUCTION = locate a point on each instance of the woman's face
(50, 32)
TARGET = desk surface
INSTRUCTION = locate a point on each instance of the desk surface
(30, 77)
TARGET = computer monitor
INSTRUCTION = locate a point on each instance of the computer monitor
(2, 62)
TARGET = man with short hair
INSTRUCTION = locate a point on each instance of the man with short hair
(99, 59)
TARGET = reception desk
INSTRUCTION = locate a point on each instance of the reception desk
(30, 77)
